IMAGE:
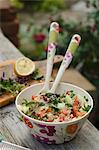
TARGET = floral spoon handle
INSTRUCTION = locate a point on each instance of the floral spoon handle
(67, 60)
(53, 36)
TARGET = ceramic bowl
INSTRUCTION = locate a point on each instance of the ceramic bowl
(53, 132)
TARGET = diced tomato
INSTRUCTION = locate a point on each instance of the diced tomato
(64, 111)
(76, 112)
(80, 114)
(68, 93)
(49, 110)
(61, 118)
(33, 97)
(41, 113)
(76, 101)
(50, 120)
(75, 106)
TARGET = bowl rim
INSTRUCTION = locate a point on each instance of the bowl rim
(54, 123)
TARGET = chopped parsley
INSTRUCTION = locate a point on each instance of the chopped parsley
(69, 105)
(72, 94)
(28, 102)
(9, 85)
(55, 101)
(37, 75)
(87, 108)
(48, 94)
(35, 117)
(41, 104)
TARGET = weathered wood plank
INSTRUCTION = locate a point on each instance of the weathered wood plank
(14, 130)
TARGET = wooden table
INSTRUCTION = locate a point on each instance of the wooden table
(13, 130)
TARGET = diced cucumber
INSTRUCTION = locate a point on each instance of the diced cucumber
(60, 105)
(25, 109)
(68, 100)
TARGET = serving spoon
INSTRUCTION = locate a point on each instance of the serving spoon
(53, 37)
(74, 43)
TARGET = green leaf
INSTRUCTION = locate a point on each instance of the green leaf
(41, 104)
(56, 109)
(36, 75)
(87, 108)
(69, 105)
(10, 85)
(48, 95)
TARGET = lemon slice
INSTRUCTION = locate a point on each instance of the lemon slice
(24, 66)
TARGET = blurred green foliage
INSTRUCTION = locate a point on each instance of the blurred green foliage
(39, 5)
(51, 5)
(17, 4)
(33, 41)
(87, 56)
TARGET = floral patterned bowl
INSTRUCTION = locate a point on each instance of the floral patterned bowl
(53, 132)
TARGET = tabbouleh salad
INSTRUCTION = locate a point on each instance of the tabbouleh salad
(55, 107)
